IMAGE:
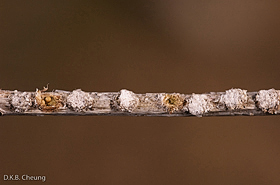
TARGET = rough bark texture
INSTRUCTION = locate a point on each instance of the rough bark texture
(232, 102)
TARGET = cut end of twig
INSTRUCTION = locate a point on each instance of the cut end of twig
(268, 100)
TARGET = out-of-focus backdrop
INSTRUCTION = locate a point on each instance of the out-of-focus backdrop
(145, 46)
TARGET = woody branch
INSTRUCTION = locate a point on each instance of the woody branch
(229, 103)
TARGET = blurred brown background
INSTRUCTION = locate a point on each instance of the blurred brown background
(145, 46)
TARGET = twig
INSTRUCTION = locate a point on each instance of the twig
(232, 102)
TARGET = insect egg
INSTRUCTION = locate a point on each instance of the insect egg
(48, 99)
